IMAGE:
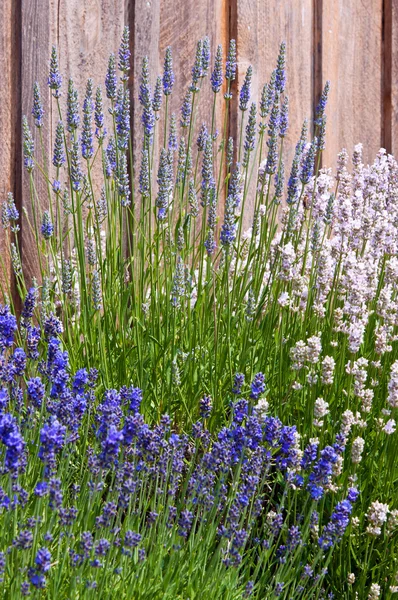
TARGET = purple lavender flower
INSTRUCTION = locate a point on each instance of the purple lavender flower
(216, 76)
(228, 229)
(72, 108)
(4, 399)
(122, 117)
(157, 96)
(197, 69)
(202, 137)
(52, 327)
(18, 362)
(124, 54)
(52, 440)
(230, 66)
(168, 75)
(205, 406)
(35, 390)
(33, 336)
(165, 184)
(250, 136)
(47, 228)
(320, 109)
(239, 380)
(28, 146)
(87, 132)
(54, 78)
(111, 154)
(11, 437)
(205, 56)
(244, 95)
(131, 539)
(280, 79)
(284, 118)
(307, 167)
(111, 78)
(99, 115)
(37, 109)
(186, 109)
(210, 242)
(10, 214)
(144, 183)
(257, 386)
(267, 96)
(8, 326)
(43, 560)
(59, 152)
(110, 447)
(28, 306)
(145, 97)
(75, 170)
(173, 142)
(339, 521)
(185, 523)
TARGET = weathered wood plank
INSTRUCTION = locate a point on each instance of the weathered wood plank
(85, 32)
(88, 32)
(158, 24)
(352, 60)
(261, 25)
(390, 83)
(9, 121)
(36, 22)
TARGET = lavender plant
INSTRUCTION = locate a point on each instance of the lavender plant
(249, 302)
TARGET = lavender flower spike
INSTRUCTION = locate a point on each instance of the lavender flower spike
(37, 110)
(216, 76)
(168, 75)
(230, 66)
(124, 54)
(54, 78)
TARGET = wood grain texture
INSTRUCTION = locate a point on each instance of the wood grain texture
(352, 61)
(183, 24)
(85, 32)
(390, 83)
(36, 23)
(261, 26)
(88, 32)
(157, 24)
(9, 121)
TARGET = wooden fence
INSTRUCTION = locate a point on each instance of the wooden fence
(353, 43)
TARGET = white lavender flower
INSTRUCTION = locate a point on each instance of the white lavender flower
(356, 451)
(377, 515)
(321, 409)
(374, 591)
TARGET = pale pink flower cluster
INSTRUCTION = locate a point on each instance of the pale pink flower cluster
(392, 397)
(321, 409)
(377, 516)
(356, 450)
(309, 352)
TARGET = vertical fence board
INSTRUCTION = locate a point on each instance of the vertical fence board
(158, 24)
(85, 33)
(89, 31)
(391, 79)
(352, 61)
(9, 120)
(36, 20)
(261, 25)
(182, 25)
